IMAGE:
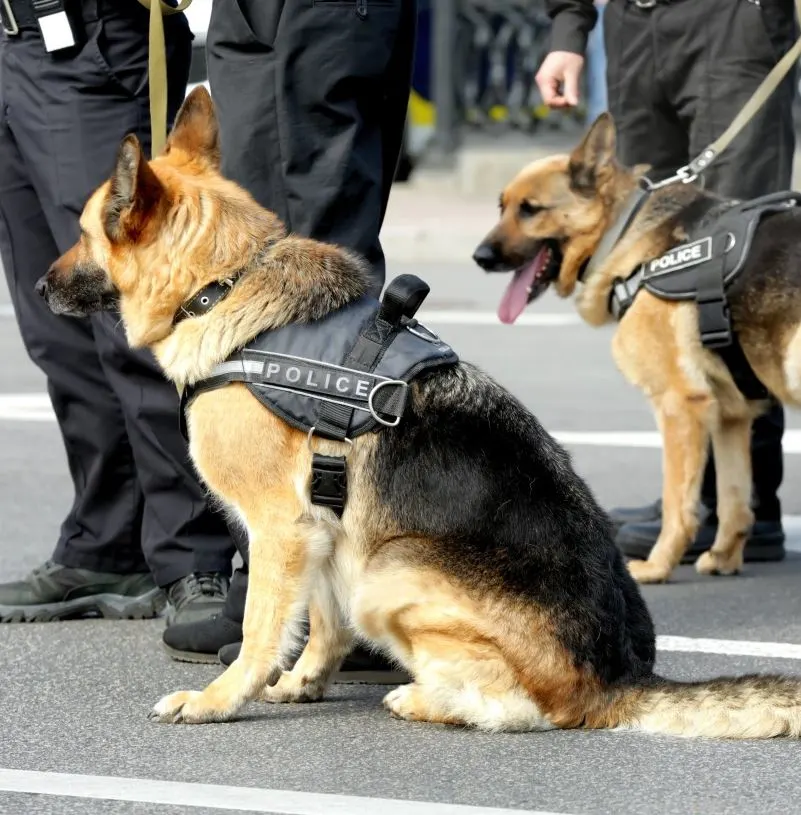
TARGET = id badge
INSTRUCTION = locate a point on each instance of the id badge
(56, 31)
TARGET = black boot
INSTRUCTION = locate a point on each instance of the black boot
(196, 597)
(55, 592)
(360, 667)
(200, 640)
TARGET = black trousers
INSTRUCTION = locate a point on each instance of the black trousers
(677, 75)
(138, 503)
(312, 98)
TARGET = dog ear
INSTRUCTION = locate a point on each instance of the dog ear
(134, 192)
(196, 130)
(595, 156)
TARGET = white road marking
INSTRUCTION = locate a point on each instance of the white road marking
(214, 796)
(530, 318)
(739, 648)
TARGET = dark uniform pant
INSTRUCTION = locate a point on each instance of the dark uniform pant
(138, 503)
(677, 76)
(312, 98)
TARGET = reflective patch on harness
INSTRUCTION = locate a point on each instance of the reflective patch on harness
(682, 257)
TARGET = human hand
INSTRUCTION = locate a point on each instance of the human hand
(560, 70)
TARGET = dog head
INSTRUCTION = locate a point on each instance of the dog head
(152, 234)
(553, 215)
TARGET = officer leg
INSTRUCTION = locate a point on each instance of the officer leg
(759, 161)
(713, 64)
(320, 151)
(55, 148)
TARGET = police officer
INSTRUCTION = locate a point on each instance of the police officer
(312, 100)
(678, 72)
(71, 87)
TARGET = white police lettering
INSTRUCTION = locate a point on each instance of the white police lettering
(362, 387)
(310, 383)
(272, 368)
(346, 381)
(690, 254)
(292, 374)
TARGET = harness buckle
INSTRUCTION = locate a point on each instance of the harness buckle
(8, 20)
(329, 482)
(713, 323)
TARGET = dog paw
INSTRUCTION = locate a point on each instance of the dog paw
(405, 703)
(292, 688)
(646, 571)
(186, 707)
(714, 563)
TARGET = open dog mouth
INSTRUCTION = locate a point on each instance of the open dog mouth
(530, 281)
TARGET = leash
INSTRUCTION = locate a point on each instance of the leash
(690, 171)
(157, 69)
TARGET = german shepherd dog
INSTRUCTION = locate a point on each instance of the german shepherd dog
(553, 217)
(469, 550)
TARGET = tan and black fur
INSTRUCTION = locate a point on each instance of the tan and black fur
(469, 550)
(575, 199)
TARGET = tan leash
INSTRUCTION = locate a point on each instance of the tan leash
(157, 69)
(761, 95)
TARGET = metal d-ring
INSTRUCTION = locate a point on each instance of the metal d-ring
(371, 397)
(311, 433)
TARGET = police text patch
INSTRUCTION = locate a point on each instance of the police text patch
(682, 257)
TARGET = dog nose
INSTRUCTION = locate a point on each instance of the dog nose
(486, 257)
(41, 286)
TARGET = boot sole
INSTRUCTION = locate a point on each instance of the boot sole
(766, 551)
(107, 606)
(193, 657)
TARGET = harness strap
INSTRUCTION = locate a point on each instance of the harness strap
(713, 310)
(401, 300)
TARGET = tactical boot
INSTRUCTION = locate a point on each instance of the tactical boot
(54, 592)
(201, 640)
(195, 597)
(360, 667)
(765, 542)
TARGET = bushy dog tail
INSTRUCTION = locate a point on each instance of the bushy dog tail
(745, 707)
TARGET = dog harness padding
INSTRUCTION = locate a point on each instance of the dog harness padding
(702, 269)
(341, 376)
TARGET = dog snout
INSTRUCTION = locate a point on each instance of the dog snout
(488, 257)
(41, 286)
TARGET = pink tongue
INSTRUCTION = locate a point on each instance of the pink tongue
(515, 298)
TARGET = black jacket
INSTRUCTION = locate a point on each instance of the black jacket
(572, 21)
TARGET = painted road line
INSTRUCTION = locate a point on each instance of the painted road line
(530, 319)
(739, 648)
(213, 796)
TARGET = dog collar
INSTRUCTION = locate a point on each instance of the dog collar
(205, 300)
(612, 236)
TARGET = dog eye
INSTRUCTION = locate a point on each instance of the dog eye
(527, 209)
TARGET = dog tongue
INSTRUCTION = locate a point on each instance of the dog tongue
(515, 298)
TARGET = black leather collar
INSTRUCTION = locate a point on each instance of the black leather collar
(205, 300)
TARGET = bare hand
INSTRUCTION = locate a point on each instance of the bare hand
(560, 70)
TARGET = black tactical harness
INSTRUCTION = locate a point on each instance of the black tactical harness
(702, 269)
(338, 377)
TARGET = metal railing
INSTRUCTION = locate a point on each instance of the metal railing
(484, 58)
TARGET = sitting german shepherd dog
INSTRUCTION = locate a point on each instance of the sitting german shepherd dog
(564, 221)
(468, 548)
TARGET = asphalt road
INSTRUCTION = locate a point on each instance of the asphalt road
(74, 696)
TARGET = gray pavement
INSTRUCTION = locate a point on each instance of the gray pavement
(74, 696)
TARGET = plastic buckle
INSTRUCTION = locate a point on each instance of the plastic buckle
(329, 482)
(714, 323)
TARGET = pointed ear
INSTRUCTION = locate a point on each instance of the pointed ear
(595, 156)
(195, 130)
(134, 193)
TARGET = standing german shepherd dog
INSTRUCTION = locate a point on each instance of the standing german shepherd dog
(554, 215)
(469, 549)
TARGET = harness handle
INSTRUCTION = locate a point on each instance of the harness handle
(701, 162)
(402, 298)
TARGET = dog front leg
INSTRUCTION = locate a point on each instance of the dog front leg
(731, 442)
(683, 421)
(329, 642)
(284, 555)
